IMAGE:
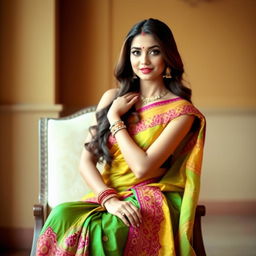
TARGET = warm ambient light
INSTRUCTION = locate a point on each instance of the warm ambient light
(196, 2)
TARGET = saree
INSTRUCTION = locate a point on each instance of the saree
(167, 203)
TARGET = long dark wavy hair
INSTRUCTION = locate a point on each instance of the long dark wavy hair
(125, 77)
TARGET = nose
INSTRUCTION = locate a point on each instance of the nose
(145, 59)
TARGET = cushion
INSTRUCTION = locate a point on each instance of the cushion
(65, 143)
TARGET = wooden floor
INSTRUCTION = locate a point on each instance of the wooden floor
(229, 235)
(223, 236)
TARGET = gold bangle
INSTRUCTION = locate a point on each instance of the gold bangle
(117, 126)
(118, 129)
(116, 123)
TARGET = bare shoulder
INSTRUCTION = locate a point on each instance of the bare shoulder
(179, 125)
(184, 119)
(107, 98)
(183, 122)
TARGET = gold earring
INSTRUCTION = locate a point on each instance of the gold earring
(167, 73)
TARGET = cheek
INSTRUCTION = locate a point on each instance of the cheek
(134, 62)
(161, 64)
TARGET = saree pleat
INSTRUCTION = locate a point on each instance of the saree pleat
(167, 203)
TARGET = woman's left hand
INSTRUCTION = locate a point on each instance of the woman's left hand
(121, 105)
(125, 210)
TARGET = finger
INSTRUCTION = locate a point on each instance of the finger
(136, 213)
(122, 216)
(131, 99)
(129, 216)
(134, 99)
(131, 95)
(132, 217)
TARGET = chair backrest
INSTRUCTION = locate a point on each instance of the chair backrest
(61, 143)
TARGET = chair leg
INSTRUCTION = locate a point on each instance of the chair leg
(38, 211)
(198, 243)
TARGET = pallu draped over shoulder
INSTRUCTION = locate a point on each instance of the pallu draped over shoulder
(167, 203)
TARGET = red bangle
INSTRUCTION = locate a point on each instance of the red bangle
(107, 198)
(102, 196)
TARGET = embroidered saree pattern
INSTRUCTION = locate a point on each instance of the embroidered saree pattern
(47, 244)
(145, 240)
(167, 203)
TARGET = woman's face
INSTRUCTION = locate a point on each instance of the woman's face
(146, 58)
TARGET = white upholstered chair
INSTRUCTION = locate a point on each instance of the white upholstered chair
(60, 144)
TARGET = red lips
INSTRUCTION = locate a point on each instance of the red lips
(146, 70)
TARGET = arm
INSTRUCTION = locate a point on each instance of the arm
(146, 164)
(93, 178)
(90, 173)
(87, 165)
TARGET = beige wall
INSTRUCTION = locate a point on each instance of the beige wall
(19, 162)
(27, 52)
(27, 92)
(217, 42)
(84, 70)
(216, 39)
(228, 166)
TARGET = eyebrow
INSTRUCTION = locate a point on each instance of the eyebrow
(139, 48)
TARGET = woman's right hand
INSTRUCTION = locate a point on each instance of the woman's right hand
(121, 105)
(125, 210)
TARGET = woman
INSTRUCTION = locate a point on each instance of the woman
(150, 138)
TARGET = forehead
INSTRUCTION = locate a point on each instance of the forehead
(144, 40)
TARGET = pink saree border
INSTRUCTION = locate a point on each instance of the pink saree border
(164, 118)
(160, 119)
(144, 240)
(159, 103)
(47, 244)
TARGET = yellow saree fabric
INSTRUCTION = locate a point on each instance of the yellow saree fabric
(175, 194)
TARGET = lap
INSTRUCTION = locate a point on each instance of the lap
(107, 233)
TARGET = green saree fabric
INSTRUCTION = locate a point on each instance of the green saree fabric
(167, 203)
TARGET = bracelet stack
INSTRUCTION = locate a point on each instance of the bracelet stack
(106, 195)
(117, 126)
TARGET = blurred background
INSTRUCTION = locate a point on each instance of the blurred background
(58, 56)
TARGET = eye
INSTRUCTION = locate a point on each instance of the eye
(154, 52)
(135, 52)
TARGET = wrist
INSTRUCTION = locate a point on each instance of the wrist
(106, 195)
(116, 126)
(113, 118)
(109, 201)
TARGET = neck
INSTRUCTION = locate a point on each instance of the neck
(151, 88)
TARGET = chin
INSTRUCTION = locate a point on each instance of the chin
(149, 78)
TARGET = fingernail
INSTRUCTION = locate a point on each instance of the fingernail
(138, 225)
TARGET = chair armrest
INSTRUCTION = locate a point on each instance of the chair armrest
(39, 211)
(200, 211)
(198, 243)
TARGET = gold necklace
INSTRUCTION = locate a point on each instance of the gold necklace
(146, 100)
